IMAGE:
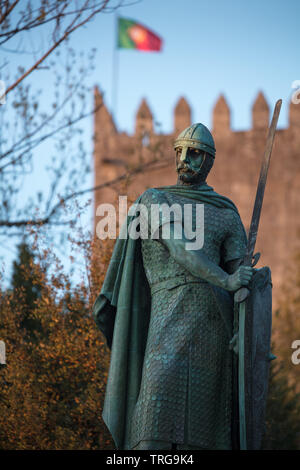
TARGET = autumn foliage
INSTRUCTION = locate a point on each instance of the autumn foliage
(53, 385)
(52, 388)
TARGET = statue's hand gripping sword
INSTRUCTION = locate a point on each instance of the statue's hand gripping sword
(250, 259)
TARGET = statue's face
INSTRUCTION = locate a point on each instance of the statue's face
(188, 164)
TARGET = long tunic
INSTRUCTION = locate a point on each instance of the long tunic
(186, 389)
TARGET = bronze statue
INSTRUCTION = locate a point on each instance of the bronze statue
(168, 315)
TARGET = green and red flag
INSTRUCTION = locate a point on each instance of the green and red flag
(133, 35)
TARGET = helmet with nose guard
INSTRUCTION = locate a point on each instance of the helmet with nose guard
(196, 136)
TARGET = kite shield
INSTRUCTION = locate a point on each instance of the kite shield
(255, 323)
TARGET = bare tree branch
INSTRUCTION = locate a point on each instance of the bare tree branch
(48, 218)
(8, 10)
(26, 125)
(69, 31)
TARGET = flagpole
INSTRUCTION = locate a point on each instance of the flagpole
(115, 73)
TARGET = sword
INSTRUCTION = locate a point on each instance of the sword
(250, 260)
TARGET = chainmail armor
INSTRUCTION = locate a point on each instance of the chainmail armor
(186, 389)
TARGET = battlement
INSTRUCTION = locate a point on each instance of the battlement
(221, 116)
(182, 116)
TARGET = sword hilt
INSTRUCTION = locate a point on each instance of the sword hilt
(241, 294)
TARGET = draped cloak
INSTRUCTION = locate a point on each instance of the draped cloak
(117, 311)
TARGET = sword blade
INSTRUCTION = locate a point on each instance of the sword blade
(242, 293)
(261, 186)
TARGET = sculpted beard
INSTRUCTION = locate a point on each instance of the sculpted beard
(187, 174)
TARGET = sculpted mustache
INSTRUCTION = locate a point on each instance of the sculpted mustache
(185, 169)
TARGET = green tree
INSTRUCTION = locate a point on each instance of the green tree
(27, 284)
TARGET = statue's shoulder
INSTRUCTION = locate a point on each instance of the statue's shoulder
(229, 208)
(153, 196)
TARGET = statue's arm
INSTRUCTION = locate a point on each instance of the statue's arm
(232, 265)
(199, 265)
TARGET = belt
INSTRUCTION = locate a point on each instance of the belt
(173, 282)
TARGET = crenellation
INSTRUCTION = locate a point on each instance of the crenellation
(103, 118)
(221, 117)
(260, 113)
(182, 115)
(144, 120)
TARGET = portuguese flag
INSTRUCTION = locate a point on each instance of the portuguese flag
(133, 35)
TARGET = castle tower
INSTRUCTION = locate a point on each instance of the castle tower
(105, 136)
(144, 120)
(104, 126)
(221, 116)
(104, 123)
(182, 115)
(260, 113)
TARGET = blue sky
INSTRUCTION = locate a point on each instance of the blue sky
(233, 47)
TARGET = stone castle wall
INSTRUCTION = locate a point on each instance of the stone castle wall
(235, 172)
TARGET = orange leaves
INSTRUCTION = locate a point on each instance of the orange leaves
(52, 389)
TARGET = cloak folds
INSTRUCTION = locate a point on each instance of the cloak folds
(122, 313)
